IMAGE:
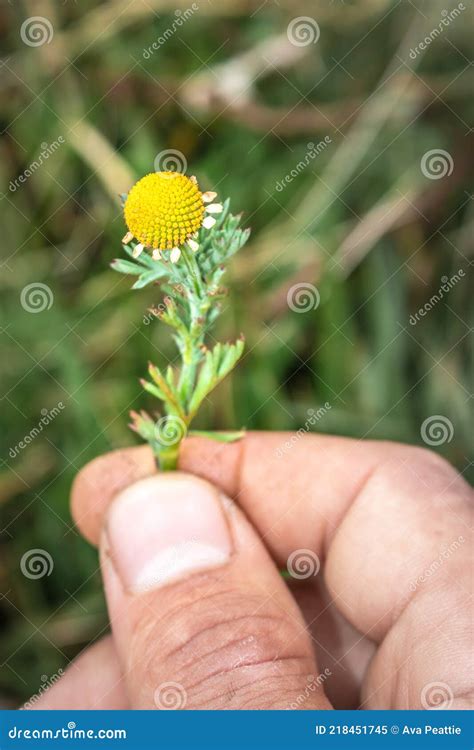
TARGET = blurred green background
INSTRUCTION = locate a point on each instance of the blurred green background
(363, 222)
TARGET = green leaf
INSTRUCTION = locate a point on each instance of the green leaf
(147, 277)
(168, 390)
(125, 266)
(144, 425)
(218, 363)
(170, 376)
(229, 358)
(153, 389)
(144, 259)
(220, 437)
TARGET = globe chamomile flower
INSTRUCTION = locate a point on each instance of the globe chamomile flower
(165, 210)
(169, 219)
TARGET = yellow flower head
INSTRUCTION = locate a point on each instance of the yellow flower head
(164, 209)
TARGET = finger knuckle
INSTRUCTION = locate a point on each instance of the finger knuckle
(419, 472)
(229, 651)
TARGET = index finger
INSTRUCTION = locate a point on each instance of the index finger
(265, 472)
(374, 513)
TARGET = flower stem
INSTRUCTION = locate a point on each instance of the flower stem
(191, 304)
(168, 457)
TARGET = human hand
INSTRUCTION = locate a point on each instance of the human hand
(201, 616)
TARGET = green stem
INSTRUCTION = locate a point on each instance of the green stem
(168, 457)
(194, 336)
(194, 272)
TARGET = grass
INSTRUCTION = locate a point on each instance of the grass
(360, 222)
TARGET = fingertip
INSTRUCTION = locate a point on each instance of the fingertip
(165, 527)
(218, 463)
(101, 480)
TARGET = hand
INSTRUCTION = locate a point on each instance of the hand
(201, 616)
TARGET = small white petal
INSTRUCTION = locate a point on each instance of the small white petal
(175, 255)
(128, 238)
(156, 255)
(214, 208)
(193, 178)
(193, 245)
(208, 196)
(208, 222)
(137, 250)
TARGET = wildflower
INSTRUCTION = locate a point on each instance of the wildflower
(169, 218)
(165, 210)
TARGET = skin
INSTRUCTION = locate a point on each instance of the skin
(383, 615)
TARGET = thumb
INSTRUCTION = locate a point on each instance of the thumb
(200, 615)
